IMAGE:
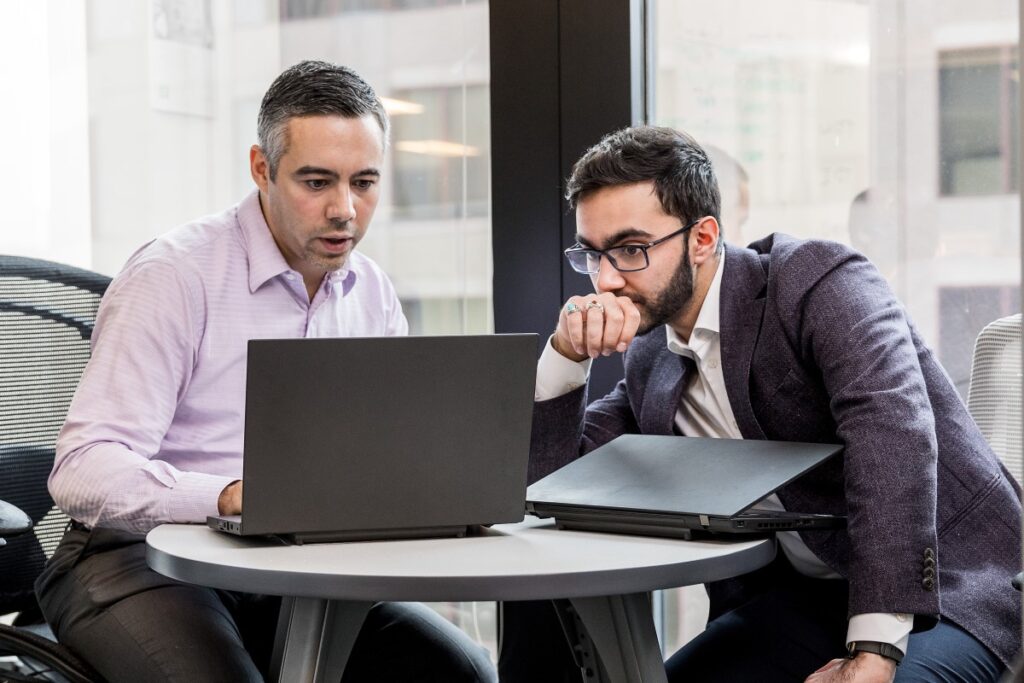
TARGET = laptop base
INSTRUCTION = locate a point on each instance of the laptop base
(684, 526)
(375, 534)
(232, 524)
(229, 524)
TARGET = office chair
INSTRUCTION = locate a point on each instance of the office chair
(994, 397)
(47, 312)
(994, 401)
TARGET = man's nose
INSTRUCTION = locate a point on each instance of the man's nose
(607, 278)
(341, 208)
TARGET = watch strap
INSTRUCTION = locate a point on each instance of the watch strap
(886, 650)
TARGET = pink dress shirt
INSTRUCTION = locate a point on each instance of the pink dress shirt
(154, 432)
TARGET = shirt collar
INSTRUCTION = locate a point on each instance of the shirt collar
(265, 259)
(706, 327)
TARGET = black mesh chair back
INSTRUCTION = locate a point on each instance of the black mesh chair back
(47, 312)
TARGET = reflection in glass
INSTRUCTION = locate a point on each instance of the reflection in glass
(892, 127)
(978, 110)
(143, 114)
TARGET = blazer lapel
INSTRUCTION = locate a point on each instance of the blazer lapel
(741, 310)
(663, 392)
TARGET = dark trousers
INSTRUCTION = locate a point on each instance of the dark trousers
(133, 624)
(784, 630)
(790, 630)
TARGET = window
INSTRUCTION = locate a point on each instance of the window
(891, 127)
(139, 117)
(147, 114)
(978, 121)
(973, 307)
(436, 176)
(306, 9)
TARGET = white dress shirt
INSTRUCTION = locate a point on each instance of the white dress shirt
(704, 410)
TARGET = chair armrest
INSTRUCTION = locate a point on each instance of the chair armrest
(12, 520)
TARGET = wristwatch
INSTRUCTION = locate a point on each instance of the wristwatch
(884, 649)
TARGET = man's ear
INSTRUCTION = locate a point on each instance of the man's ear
(259, 168)
(704, 242)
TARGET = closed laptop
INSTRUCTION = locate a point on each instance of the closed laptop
(677, 485)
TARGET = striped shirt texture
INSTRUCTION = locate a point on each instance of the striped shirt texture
(155, 430)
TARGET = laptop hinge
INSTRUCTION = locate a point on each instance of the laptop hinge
(704, 521)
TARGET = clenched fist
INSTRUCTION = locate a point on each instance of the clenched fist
(595, 325)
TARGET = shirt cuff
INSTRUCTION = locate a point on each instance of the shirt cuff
(881, 627)
(557, 375)
(194, 497)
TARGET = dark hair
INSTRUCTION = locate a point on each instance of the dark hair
(313, 88)
(684, 179)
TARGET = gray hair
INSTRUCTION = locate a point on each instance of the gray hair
(313, 88)
(684, 179)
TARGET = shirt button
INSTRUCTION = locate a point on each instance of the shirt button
(901, 617)
(289, 276)
(712, 363)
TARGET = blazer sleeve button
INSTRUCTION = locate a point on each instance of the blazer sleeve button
(928, 584)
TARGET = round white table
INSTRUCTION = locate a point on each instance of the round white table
(607, 578)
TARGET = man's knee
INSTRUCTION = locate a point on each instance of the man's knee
(133, 627)
(947, 653)
(420, 645)
(166, 634)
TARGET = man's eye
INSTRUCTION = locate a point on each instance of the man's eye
(631, 250)
(316, 184)
(363, 184)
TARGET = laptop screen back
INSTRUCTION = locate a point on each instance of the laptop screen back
(386, 433)
(676, 474)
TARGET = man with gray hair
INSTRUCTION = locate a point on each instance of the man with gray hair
(154, 433)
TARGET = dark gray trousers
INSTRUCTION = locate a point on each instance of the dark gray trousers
(133, 624)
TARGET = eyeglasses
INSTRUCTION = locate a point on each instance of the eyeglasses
(628, 258)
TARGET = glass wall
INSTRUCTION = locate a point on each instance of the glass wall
(889, 126)
(146, 110)
(126, 119)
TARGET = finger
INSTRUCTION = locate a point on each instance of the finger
(614, 317)
(574, 324)
(594, 314)
(630, 322)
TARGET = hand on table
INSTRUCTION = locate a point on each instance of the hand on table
(230, 500)
(594, 325)
(866, 667)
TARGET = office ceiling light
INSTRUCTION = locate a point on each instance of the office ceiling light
(438, 148)
(399, 107)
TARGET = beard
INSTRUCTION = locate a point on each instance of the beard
(667, 303)
(329, 262)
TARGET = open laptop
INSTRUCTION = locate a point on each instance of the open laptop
(385, 437)
(679, 486)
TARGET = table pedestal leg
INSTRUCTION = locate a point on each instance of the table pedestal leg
(314, 638)
(622, 628)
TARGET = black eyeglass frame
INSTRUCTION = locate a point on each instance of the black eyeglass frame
(579, 248)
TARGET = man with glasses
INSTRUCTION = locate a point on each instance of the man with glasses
(787, 340)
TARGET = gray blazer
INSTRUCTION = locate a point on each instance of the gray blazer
(815, 347)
